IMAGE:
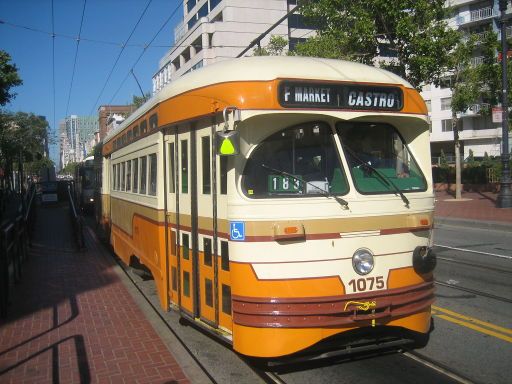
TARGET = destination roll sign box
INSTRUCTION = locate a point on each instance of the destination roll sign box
(339, 96)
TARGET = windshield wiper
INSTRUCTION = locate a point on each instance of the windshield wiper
(381, 176)
(344, 203)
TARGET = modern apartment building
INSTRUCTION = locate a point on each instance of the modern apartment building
(216, 30)
(477, 131)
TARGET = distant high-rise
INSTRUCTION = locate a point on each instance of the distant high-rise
(77, 135)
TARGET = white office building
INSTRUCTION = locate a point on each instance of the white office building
(216, 30)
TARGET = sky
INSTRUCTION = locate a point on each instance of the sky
(55, 84)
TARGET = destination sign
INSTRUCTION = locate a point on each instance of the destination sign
(339, 96)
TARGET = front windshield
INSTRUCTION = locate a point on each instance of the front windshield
(294, 162)
(378, 158)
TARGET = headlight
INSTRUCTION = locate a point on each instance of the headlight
(363, 261)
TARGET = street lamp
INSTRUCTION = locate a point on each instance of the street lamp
(504, 199)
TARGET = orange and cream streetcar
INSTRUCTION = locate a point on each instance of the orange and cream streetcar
(283, 203)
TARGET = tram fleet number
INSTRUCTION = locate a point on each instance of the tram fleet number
(366, 283)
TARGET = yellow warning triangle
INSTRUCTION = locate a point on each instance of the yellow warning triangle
(227, 147)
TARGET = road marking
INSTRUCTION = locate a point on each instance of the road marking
(472, 251)
(472, 323)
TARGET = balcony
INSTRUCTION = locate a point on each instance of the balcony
(476, 16)
(477, 60)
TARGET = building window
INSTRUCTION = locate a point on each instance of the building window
(191, 4)
(213, 4)
(446, 125)
(152, 174)
(446, 103)
(429, 105)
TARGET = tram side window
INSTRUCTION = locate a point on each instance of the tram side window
(129, 175)
(295, 162)
(143, 127)
(186, 247)
(153, 122)
(172, 179)
(226, 299)
(135, 167)
(223, 175)
(152, 174)
(136, 132)
(184, 166)
(114, 177)
(206, 147)
(122, 177)
(143, 174)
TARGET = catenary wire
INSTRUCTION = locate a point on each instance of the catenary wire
(76, 56)
(144, 51)
(119, 56)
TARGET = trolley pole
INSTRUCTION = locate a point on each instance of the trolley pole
(504, 199)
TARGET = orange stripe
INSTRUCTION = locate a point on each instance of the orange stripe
(247, 95)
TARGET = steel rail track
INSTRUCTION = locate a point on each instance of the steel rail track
(476, 265)
(439, 367)
(474, 291)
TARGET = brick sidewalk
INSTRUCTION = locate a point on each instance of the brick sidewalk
(479, 206)
(73, 321)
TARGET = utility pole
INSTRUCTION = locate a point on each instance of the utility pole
(504, 199)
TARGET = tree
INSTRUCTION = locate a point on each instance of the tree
(22, 139)
(412, 33)
(275, 47)
(8, 78)
(137, 101)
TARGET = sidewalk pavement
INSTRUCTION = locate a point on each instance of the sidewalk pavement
(73, 320)
(474, 209)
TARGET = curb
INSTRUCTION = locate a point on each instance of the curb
(473, 223)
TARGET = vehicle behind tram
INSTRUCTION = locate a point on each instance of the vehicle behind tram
(284, 204)
(85, 181)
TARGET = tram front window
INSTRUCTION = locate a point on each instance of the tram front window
(295, 162)
(379, 159)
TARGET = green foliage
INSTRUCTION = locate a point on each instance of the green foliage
(414, 30)
(8, 78)
(275, 47)
(471, 158)
(22, 132)
(137, 101)
(37, 165)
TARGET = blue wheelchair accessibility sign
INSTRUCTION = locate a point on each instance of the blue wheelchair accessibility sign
(237, 229)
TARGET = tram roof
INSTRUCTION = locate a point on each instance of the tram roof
(265, 68)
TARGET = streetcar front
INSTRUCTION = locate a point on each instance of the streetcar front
(330, 217)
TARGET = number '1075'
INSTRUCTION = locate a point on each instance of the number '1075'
(366, 283)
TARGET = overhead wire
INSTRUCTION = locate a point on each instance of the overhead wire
(53, 66)
(119, 55)
(144, 51)
(76, 56)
